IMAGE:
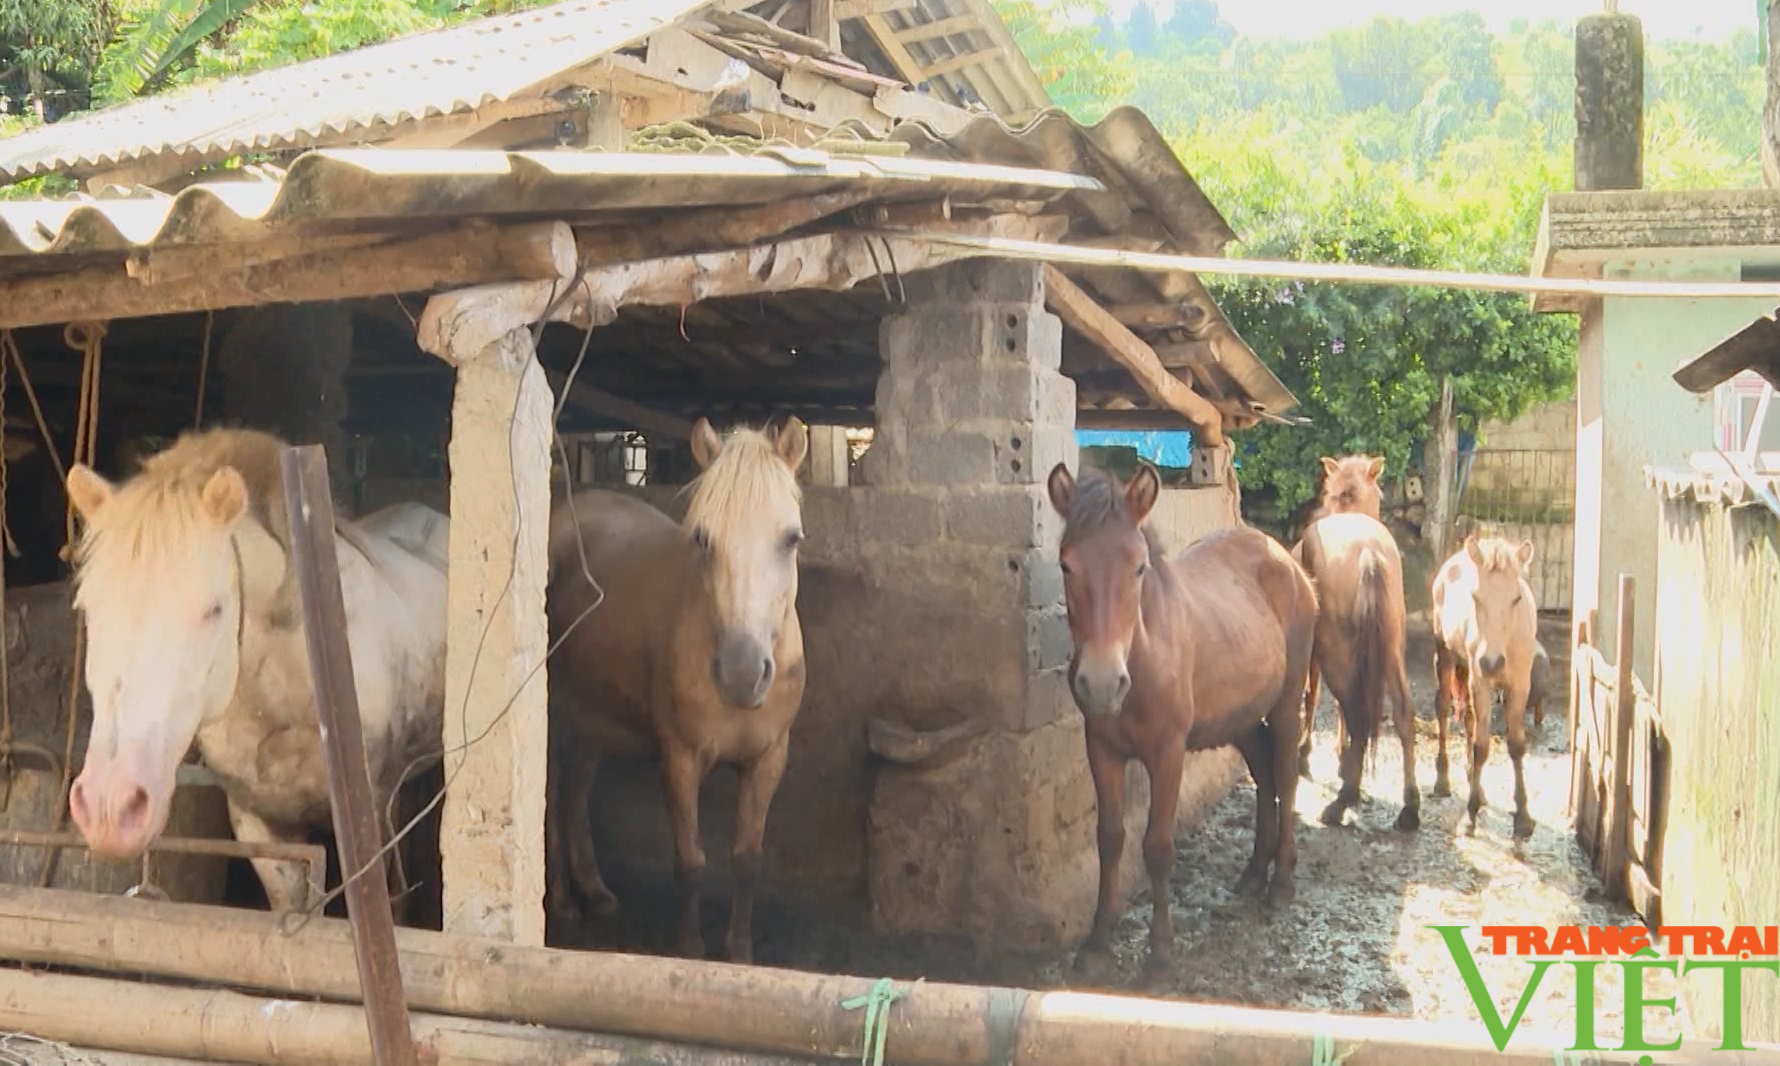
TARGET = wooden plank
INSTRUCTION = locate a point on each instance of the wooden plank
(858, 9)
(824, 25)
(1618, 832)
(1158, 315)
(217, 277)
(1079, 311)
(906, 65)
(749, 1009)
(945, 27)
(957, 63)
(313, 554)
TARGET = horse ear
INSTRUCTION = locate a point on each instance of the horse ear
(1061, 486)
(1524, 553)
(1142, 493)
(1329, 466)
(87, 490)
(792, 442)
(1374, 467)
(225, 496)
(1473, 549)
(705, 444)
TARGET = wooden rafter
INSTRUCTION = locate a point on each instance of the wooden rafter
(945, 27)
(957, 63)
(1080, 312)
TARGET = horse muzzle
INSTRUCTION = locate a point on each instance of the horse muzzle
(1100, 688)
(116, 815)
(743, 671)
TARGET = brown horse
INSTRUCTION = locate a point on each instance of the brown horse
(1485, 632)
(1358, 572)
(1174, 655)
(688, 648)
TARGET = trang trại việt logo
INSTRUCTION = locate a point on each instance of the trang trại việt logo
(1731, 952)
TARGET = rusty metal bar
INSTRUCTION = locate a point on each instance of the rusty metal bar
(310, 504)
(314, 857)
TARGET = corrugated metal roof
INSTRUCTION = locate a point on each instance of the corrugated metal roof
(334, 186)
(1710, 479)
(428, 74)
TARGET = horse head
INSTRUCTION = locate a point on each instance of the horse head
(166, 569)
(1350, 484)
(745, 523)
(1104, 554)
(1500, 610)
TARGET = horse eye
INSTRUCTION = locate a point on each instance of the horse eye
(1143, 568)
(793, 539)
(1061, 565)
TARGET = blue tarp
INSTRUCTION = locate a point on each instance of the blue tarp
(1164, 448)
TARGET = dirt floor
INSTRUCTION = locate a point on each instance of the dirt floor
(1358, 937)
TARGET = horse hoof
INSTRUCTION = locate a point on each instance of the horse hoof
(1409, 820)
(1158, 967)
(1304, 768)
(1251, 884)
(1523, 825)
(1442, 788)
(1331, 815)
(1281, 893)
(1093, 965)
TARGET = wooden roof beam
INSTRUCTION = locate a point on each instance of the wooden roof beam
(858, 9)
(945, 27)
(957, 63)
(1080, 312)
(906, 64)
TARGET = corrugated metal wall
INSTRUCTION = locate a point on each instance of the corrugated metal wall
(1717, 615)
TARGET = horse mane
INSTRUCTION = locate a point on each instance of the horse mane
(1495, 553)
(1098, 502)
(154, 513)
(746, 480)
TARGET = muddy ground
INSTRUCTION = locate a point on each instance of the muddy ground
(1357, 939)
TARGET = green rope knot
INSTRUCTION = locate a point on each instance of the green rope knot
(1322, 1050)
(877, 1017)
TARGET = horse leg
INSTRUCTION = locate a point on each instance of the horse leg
(1444, 670)
(683, 769)
(1478, 717)
(1107, 768)
(1283, 888)
(1409, 819)
(1257, 750)
(759, 782)
(1165, 771)
(1312, 687)
(1351, 754)
(584, 866)
(287, 888)
(1514, 704)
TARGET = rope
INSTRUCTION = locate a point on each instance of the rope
(1322, 1049)
(1164, 263)
(88, 338)
(876, 1004)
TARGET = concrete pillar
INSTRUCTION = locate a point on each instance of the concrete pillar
(829, 464)
(491, 839)
(282, 369)
(1609, 102)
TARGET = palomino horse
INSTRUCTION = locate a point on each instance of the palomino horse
(1205, 649)
(693, 654)
(1358, 572)
(195, 630)
(1485, 627)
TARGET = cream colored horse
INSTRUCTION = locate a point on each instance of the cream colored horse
(694, 654)
(1486, 625)
(195, 631)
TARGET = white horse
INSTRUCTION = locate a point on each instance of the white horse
(195, 632)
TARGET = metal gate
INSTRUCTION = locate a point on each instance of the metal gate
(1524, 494)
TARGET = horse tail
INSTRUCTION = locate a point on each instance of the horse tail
(1371, 654)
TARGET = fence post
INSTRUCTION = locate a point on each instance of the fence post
(1625, 706)
(310, 503)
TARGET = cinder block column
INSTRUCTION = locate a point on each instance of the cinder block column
(972, 414)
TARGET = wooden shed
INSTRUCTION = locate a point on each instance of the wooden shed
(751, 222)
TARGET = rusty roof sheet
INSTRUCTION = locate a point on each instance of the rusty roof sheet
(440, 72)
(333, 186)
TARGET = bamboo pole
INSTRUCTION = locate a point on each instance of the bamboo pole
(216, 1025)
(1356, 273)
(720, 1005)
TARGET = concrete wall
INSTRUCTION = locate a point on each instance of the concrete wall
(1630, 413)
(1716, 610)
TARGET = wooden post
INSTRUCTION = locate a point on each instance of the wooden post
(828, 457)
(1616, 854)
(1445, 446)
(311, 508)
(1609, 147)
(491, 840)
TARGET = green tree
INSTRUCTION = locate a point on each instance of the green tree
(1060, 41)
